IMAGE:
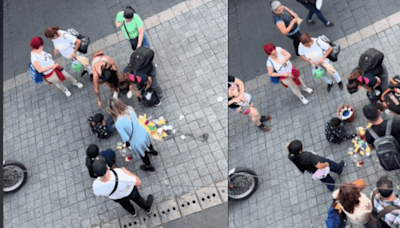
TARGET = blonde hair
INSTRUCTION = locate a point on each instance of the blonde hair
(116, 107)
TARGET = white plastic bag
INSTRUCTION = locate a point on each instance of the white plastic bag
(318, 4)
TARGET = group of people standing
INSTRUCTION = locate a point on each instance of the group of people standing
(118, 184)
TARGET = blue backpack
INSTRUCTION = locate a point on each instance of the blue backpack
(36, 77)
(334, 219)
(274, 80)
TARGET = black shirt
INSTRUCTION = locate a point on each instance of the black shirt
(381, 129)
(231, 79)
(308, 161)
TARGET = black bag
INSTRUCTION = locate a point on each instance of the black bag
(333, 56)
(85, 41)
(375, 220)
(154, 99)
(369, 60)
(141, 58)
(387, 148)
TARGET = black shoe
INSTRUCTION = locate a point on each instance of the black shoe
(330, 87)
(265, 118)
(91, 77)
(150, 201)
(84, 73)
(135, 215)
(341, 85)
(152, 152)
(329, 24)
(147, 168)
(342, 164)
(311, 22)
(158, 103)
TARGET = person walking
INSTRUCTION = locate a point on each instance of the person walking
(315, 52)
(355, 204)
(279, 65)
(132, 133)
(92, 152)
(119, 185)
(312, 163)
(312, 9)
(104, 71)
(287, 23)
(132, 25)
(67, 45)
(52, 72)
(241, 102)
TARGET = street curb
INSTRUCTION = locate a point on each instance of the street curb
(377, 27)
(117, 37)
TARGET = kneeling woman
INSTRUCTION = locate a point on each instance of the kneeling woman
(131, 132)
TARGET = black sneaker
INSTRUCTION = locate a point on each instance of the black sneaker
(158, 103)
(84, 73)
(341, 85)
(342, 164)
(329, 24)
(150, 201)
(135, 215)
(147, 168)
(264, 128)
(330, 87)
(311, 22)
(265, 118)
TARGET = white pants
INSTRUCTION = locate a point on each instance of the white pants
(292, 85)
(59, 84)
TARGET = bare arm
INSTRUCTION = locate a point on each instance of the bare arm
(118, 24)
(40, 69)
(302, 57)
(293, 14)
(285, 30)
(234, 100)
(96, 85)
(149, 82)
(286, 55)
(140, 37)
(138, 182)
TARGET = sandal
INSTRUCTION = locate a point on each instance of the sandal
(264, 128)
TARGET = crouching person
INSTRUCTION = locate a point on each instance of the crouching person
(100, 127)
(119, 185)
(334, 131)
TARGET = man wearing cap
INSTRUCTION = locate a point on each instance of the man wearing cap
(119, 185)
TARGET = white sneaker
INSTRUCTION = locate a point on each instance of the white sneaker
(115, 95)
(129, 94)
(68, 93)
(308, 90)
(79, 85)
(304, 100)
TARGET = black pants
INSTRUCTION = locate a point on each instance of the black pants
(296, 41)
(137, 198)
(146, 158)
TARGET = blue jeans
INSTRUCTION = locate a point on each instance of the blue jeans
(145, 41)
(311, 10)
(110, 125)
(334, 167)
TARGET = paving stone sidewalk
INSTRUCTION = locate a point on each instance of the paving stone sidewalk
(251, 26)
(285, 197)
(94, 18)
(48, 132)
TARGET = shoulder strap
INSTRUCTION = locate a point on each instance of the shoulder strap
(116, 182)
(66, 38)
(389, 127)
(316, 41)
(387, 210)
(126, 30)
(373, 133)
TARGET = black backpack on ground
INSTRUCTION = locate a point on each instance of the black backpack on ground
(154, 99)
(141, 58)
(369, 60)
(387, 148)
(375, 219)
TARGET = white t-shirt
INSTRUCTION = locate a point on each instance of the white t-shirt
(65, 43)
(279, 68)
(44, 60)
(315, 52)
(126, 183)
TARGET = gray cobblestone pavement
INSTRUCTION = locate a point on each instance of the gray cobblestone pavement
(48, 132)
(251, 26)
(94, 18)
(285, 197)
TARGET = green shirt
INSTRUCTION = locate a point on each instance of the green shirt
(132, 26)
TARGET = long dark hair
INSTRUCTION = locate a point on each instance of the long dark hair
(349, 196)
(109, 75)
(295, 148)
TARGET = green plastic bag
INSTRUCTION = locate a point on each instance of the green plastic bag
(76, 67)
(319, 73)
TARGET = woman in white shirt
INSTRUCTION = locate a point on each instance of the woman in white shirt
(279, 65)
(315, 52)
(67, 44)
(52, 71)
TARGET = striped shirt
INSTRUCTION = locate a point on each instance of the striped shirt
(392, 218)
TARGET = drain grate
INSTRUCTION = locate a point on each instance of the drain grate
(223, 190)
(112, 224)
(152, 220)
(208, 197)
(128, 221)
(169, 210)
(188, 204)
